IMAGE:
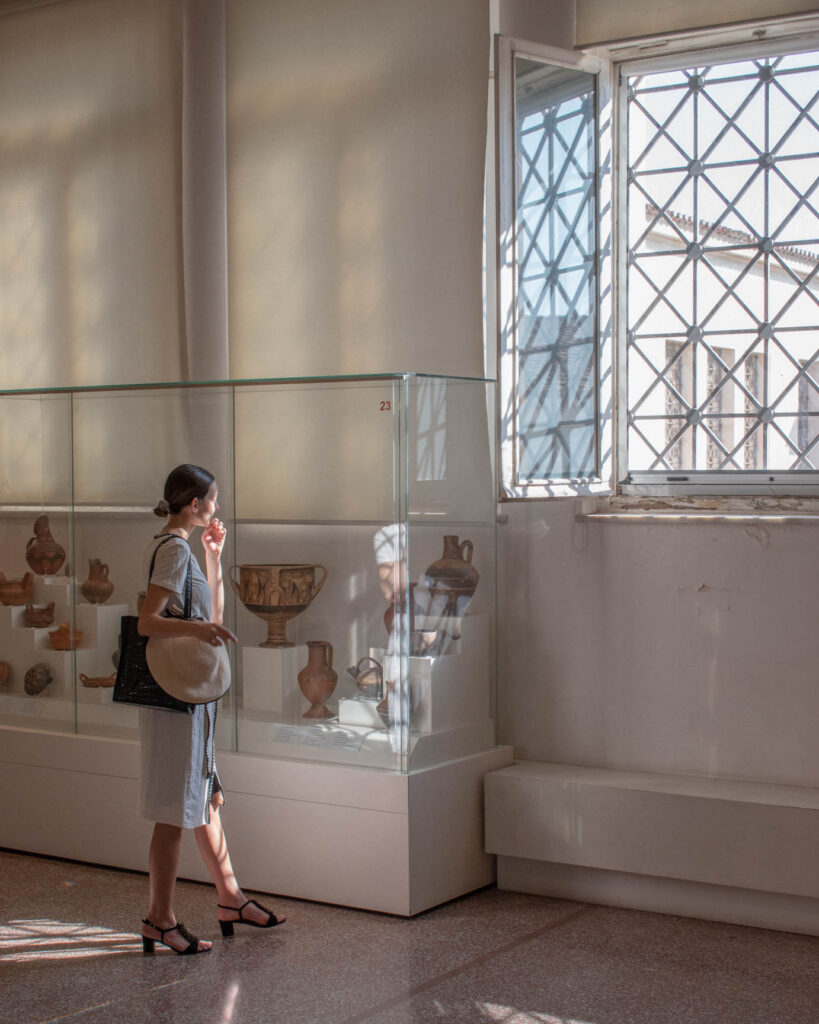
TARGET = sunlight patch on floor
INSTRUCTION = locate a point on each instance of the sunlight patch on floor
(510, 1015)
(24, 941)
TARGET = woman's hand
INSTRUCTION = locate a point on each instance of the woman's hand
(213, 538)
(212, 632)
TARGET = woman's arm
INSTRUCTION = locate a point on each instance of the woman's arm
(153, 623)
(213, 540)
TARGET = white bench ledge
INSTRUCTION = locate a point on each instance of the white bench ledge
(751, 835)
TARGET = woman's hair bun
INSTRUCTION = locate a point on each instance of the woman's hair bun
(162, 509)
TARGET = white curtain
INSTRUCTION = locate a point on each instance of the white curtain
(90, 214)
(356, 145)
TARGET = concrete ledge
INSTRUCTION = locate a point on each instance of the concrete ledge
(747, 836)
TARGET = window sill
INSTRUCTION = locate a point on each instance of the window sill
(716, 509)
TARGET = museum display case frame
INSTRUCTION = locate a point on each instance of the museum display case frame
(384, 487)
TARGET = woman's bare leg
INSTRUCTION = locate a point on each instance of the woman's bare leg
(163, 864)
(213, 847)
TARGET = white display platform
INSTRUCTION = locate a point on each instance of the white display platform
(358, 837)
(448, 690)
(270, 679)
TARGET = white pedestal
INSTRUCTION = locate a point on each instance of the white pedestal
(270, 680)
(359, 711)
(451, 689)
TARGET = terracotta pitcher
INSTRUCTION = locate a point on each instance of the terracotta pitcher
(317, 680)
(97, 588)
(43, 553)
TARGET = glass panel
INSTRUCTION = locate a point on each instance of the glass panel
(318, 496)
(556, 242)
(340, 499)
(450, 601)
(125, 444)
(36, 680)
(723, 267)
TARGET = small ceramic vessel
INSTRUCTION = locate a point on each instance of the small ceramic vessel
(61, 638)
(5, 671)
(37, 678)
(369, 679)
(38, 617)
(97, 588)
(16, 592)
(98, 681)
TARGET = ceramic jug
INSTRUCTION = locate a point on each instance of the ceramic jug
(43, 553)
(451, 580)
(317, 680)
(369, 680)
(97, 588)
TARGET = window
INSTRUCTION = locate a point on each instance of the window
(717, 298)
(722, 190)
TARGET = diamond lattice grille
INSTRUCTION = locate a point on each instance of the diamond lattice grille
(723, 267)
(556, 287)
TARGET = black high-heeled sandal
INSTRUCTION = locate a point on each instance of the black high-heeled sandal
(193, 942)
(227, 926)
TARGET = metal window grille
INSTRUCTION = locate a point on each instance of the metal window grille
(723, 267)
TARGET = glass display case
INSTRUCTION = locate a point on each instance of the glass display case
(359, 565)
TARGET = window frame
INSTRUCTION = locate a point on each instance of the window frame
(612, 65)
(601, 484)
(705, 483)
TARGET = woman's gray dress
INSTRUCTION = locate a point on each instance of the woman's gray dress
(178, 769)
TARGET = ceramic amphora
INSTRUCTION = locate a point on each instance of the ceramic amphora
(317, 680)
(43, 553)
(97, 588)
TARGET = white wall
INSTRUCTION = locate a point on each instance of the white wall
(666, 647)
(682, 647)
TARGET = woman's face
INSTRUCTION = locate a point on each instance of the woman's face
(204, 509)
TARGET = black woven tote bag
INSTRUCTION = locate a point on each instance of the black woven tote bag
(135, 684)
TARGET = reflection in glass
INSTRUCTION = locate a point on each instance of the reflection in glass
(556, 216)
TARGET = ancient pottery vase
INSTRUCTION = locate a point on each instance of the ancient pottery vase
(98, 681)
(368, 678)
(399, 605)
(37, 678)
(451, 580)
(277, 593)
(43, 553)
(16, 592)
(38, 617)
(5, 671)
(97, 588)
(62, 639)
(317, 680)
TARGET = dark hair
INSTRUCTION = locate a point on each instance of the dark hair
(184, 483)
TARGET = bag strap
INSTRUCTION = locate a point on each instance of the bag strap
(188, 575)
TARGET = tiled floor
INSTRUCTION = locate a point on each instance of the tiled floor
(69, 952)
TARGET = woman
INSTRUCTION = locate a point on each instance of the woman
(180, 785)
